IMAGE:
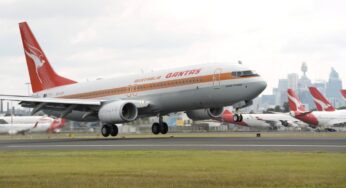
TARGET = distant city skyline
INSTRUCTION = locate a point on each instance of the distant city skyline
(85, 40)
(330, 87)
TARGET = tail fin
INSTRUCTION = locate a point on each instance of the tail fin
(42, 75)
(294, 103)
(343, 92)
(322, 104)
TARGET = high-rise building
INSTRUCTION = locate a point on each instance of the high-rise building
(303, 87)
(333, 87)
(281, 92)
(304, 82)
(293, 81)
(321, 86)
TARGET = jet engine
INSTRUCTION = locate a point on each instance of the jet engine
(204, 114)
(118, 112)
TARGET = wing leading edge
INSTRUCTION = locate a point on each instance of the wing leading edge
(65, 106)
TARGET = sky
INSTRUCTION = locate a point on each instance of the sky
(85, 40)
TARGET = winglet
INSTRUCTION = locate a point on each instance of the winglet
(322, 104)
(42, 75)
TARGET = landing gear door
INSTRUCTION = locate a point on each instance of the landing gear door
(217, 78)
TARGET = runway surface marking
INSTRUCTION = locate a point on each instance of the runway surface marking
(224, 143)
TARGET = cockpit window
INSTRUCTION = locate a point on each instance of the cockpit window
(244, 73)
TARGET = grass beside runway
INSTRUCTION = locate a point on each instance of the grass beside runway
(171, 169)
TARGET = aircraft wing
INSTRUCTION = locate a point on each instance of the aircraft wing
(31, 100)
(271, 123)
(338, 122)
(64, 105)
(278, 122)
(304, 113)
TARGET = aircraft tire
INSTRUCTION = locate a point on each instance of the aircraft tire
(155, 128)
(236, 118)
(164, 128)
(240, 118)
(114, 130)
(105, 130)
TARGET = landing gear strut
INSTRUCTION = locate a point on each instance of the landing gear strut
(109, 129)
(160, 127)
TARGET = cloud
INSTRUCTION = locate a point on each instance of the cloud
(90, 39)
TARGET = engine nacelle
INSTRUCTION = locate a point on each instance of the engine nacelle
(118, 112)
(204, 114)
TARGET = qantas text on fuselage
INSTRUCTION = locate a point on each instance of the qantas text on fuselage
(200, 90)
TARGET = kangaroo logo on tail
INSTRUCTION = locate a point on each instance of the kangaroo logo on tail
(294, 102)
(37, 57)
(322, 104)
(42, 75)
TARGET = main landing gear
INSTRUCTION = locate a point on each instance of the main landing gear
(109, 129)
(237, 117)
(160, 127)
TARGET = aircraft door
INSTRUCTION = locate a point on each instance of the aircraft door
(217, 78)
(131, 90)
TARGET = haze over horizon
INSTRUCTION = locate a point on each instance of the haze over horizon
(91, 39)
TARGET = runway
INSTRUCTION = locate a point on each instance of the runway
(185, 143)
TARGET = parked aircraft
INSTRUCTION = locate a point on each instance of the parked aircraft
(272, 121)
(29, 124)
(317, 119)
(200, 90)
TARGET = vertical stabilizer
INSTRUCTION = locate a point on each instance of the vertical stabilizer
(322, 104)
(42, 75)
(294, 103)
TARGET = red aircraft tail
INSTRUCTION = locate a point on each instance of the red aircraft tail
(322, 104)
(294, 103)
(343, 92)
(42, 75)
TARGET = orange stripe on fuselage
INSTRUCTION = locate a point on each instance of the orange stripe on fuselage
(153, 86)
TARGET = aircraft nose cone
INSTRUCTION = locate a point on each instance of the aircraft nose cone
(262, 85)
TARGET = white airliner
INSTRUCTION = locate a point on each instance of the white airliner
(29, 124)
(200, 90)
(271, 121)
(316, 119)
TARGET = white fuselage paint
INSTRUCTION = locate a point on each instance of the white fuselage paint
(330, 119)
(167, 99)
(271, 120)
(24, 124)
